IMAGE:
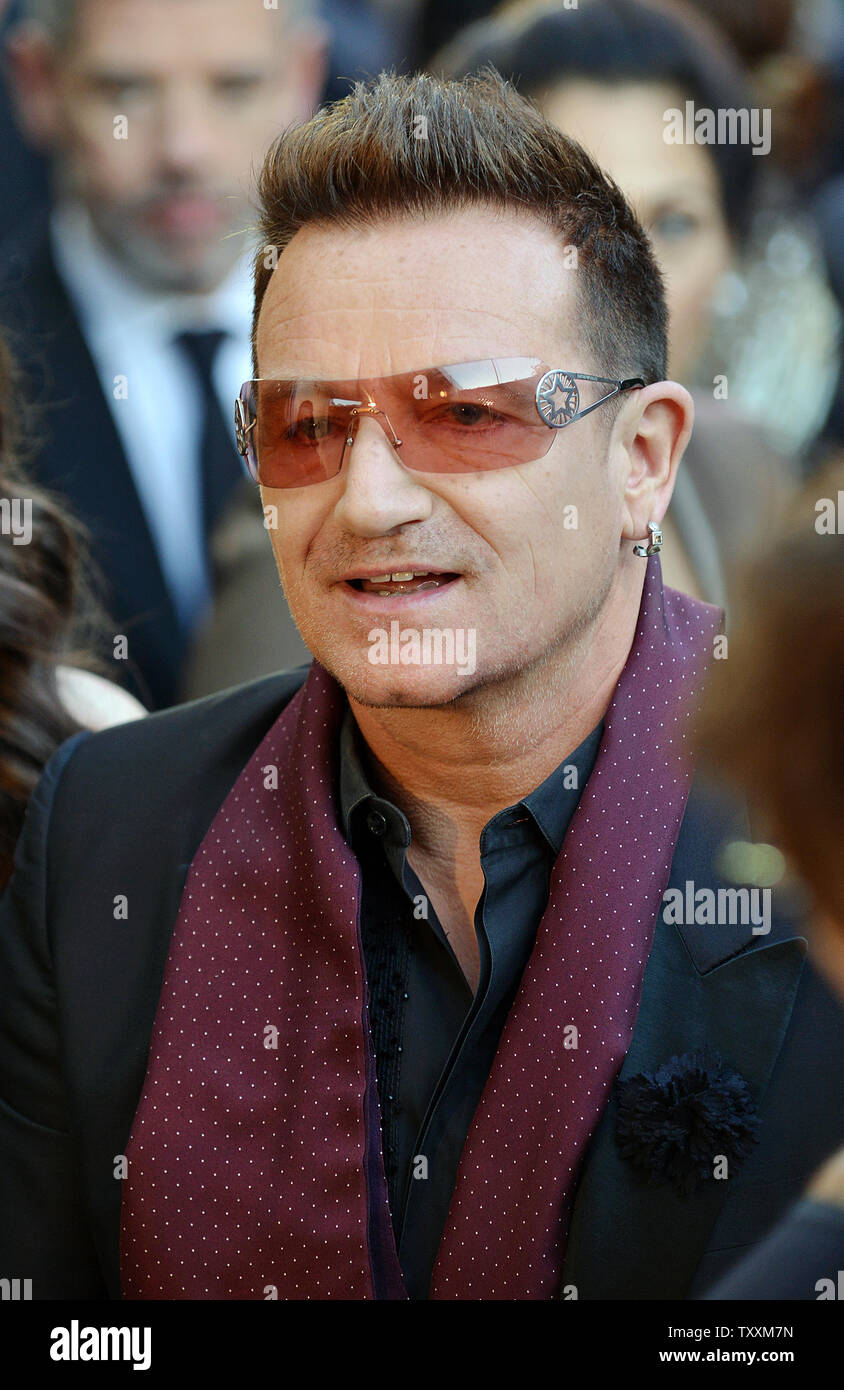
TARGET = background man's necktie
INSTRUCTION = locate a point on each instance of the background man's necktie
(220, 464)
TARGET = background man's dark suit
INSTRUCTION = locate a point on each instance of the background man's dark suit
(78, 453)
(123, 812)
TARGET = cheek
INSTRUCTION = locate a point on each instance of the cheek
(110, 168)
(545, 524)
(291, 531)
(248, 136)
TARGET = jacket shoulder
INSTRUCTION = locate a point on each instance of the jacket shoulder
(159, 781)
(181, 741)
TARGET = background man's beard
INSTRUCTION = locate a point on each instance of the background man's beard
(153, 265)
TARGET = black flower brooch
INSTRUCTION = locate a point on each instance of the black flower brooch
(691, 1120)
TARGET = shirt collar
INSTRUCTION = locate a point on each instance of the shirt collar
(551, 805)
(355, 787)
(553, 802)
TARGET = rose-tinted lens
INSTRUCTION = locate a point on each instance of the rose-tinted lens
(477, 416)
(299, 434)
(470, 417)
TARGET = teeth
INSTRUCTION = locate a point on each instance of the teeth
(397, 577)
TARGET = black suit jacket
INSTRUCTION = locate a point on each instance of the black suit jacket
(123, 812)
(79, 455)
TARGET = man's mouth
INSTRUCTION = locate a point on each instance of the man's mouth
(185, 216)
(402, 582)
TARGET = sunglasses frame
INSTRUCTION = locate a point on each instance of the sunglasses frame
(556, 417)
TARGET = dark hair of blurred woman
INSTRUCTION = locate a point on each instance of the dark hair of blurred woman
(48, 617)
(614, 42)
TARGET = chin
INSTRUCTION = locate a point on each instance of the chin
(396, 687)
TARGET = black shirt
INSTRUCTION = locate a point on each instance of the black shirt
(434, 1042)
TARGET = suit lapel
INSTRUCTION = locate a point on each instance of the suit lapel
(703, 985)
(82, 457)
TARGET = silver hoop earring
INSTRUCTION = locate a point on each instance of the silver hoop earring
(652, 546)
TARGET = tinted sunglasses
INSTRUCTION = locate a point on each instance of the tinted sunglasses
(466, 418)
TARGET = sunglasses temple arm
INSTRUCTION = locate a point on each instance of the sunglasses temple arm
(627, 385)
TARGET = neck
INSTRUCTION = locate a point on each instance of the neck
(451, 767)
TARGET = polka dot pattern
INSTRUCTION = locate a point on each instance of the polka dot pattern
(254, 1161)
(247, 1151)
(507, 1223)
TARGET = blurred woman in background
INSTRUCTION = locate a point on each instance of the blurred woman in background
(49, 624)
(607, 73)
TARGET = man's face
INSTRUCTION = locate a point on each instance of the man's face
(400, 297)
(204, 86)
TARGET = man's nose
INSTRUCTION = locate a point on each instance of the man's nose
(185, 129)
(379, 493)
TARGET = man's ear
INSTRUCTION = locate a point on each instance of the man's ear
(32, 71)
(654, 439)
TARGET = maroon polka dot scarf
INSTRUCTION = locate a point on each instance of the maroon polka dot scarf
(255, 1167)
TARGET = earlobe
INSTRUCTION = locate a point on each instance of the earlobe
(653, 544)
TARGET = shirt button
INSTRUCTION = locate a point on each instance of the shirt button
(376, 823)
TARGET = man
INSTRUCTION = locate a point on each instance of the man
(134, 314)
(339, 1006)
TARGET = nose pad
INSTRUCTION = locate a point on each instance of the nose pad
(371, 412)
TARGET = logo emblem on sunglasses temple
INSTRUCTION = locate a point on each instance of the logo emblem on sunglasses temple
(557, 399)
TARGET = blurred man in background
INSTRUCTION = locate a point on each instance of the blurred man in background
(132, 315)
